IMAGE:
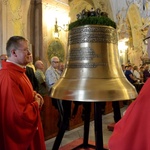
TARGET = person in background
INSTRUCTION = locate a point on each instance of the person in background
(20, 124)
(31, 75)
(139, 84)
(132, 131)
(123, 68)
(40, 76)
(129, 75)
(146, 73)
(126, 68)
(141, 69)
(43, 90)
(3, 57)
(136, 73)
(52, 76)
(61, 68)
(30, 64)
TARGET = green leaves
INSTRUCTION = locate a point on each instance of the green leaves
(101, 20)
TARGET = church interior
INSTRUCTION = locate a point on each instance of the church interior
(45, 24)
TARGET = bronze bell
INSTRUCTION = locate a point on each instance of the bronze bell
(93, 72)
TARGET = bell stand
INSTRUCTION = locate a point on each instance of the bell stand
(97, 124)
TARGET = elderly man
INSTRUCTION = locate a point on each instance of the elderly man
(132, 131)
(39, 74)
(52, 73)
(20, 124)
(64, 107)
(52, 76)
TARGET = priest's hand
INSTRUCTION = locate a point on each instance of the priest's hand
(39, 100)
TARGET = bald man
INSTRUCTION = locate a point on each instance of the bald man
(39, 74)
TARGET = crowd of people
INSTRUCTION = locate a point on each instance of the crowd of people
(136, 73)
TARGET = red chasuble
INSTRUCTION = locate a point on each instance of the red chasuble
(20, 124)
(132, 132)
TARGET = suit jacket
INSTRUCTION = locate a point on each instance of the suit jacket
(30, 74)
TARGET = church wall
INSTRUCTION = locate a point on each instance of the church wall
(132, 18)
(46, 13)
(14, 20)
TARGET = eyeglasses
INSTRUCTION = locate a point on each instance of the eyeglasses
(146, 40)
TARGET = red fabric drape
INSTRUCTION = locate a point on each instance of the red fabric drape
(132, 132)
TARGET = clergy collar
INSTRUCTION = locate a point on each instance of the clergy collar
(16, 64)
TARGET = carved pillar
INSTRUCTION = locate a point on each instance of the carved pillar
(38, 36)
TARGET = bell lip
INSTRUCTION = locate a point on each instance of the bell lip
(109, 99)
(73, 93)
(92, 100)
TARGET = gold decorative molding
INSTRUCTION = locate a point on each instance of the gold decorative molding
(135, 21)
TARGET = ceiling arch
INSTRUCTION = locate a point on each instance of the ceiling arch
(76, 6)
(88, 1)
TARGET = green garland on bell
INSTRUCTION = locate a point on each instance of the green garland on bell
(96, 18)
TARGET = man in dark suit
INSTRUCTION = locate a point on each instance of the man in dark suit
(30, 74)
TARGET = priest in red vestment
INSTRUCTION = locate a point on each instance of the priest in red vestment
(132, 132)
(20, 124)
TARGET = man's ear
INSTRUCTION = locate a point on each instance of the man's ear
(13, 52)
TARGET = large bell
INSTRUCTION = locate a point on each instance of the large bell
(93, 72)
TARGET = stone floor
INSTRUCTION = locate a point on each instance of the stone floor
(78, 132)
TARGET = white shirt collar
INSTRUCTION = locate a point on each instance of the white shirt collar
(16, 64)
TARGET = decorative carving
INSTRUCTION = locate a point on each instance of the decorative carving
(82, 54)
(101, 34)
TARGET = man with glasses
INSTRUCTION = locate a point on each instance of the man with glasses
(20, 124)
(132, 131)
(52, 73)
(52, 76)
